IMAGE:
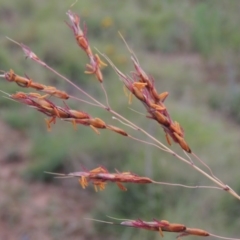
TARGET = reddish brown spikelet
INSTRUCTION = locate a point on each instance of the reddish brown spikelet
(168, 139)
(101, 175)
(175, 127)
(155, 94)
(97, 170)
(182, 143)
(161, 118)
(34, 100)
(94, 123)
(50, 109)
(43, 103)
(55, 92)
(140, 73)
(80, 35)
(131, 178)
(142, 86)
(22, 81)
(37, 86)
(75, 26)
(98, 184)
(84, 177)
(136, 88)
(97, 123)
(117, 130)
(197, 232)
(138, 93)
(78, 114)
(20, 96)
(83, 43)
(83, 182)
(12, 77)
(94, 67)
(174, 227)
(40, 103)
(152, 226)
(163, 96)
(85, 119)
(158, 107)
(28, 83)
(143, 77)
(158, 225)
(95, 62)
(118, 178)
(75, 21)
(29, 54)
(194, 231)
(163, 222)
(121, 186)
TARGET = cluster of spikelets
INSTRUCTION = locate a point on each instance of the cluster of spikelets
(99, 178)
(42, 104)
(161, 226)
(95, 63)
(141, 86)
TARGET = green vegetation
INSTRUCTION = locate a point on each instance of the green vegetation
(191, 49)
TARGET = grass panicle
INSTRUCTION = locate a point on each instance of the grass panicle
(142, 86)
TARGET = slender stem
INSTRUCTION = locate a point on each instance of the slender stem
(224, 187)
(219, 183)
(210, 170)
(148, 143)
(185, 186)
(227, 238)
(106, 96)
(82, 100)
(74, 85)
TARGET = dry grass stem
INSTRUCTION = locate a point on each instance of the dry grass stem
(137, 84)
(128, 81)
(162, 226)
(101, 175)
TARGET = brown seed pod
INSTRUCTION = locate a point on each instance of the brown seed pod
(138, 93)
(160, 118)
(117, 130)
(197, 232)
(174, 227)
(182, 143)
(175, 127)
(97, 123)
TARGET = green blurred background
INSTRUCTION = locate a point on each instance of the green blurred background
(190, 47)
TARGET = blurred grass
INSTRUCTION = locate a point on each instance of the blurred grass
(191, 49)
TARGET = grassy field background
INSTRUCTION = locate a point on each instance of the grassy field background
(190, 47)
